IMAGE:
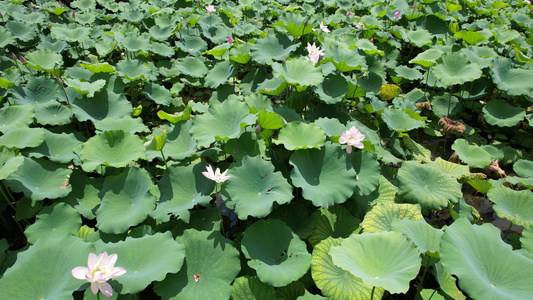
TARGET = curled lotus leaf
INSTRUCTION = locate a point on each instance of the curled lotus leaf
(499, 113)
(450, 126)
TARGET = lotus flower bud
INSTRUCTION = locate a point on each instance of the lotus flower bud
(22, 59)
(230, 40)
(13, 56)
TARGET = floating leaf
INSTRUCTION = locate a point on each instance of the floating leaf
(427, 58)
(515, 206)
(511, 80)
(499, 113)
(381, 259)
(400, 120)
(367, 168)
(275, 252)
(54, 222)
(157, 93)
(382, 215)
(523, 168)
(45, 60)
(333, 89)
(56, 147)
(298, 135)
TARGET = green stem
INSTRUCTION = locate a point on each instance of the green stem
(98, 295)
(423, 277)
(427, 79)
(508, 231)
(432, 294)
(164, 159)
(372, 294)
(219, 212)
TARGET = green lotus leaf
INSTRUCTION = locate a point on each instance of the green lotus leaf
(162, 49)
(420, 37)
(6, 84)
(274, 86)
(193, 67)
(483, 56)
(181, 189)
(408, 73)
(333, 89)
(368, 47)
(470, 37)
(298, 71)
(40, 179)
(132, 69)
(425, 237)
(179, 144)
(21, 30)
(6, 38)
(270, 120)
(116, 106)
(368, 171)
(511, 80)
(400, 120)
(84, 196)
(523, 168)
(455, 68)
(427, 186)
(202, 278)
(129, 124)
(245, 288)
(161, 33)
(114, 148)
(43, 271)
(447, 283)
(9, 162)
(146, 259)
(335, 222)
(45, 60)
(499, 113)
(71, 33)
(427, 58)
(272, 47)
(515, 206)
(446, 105)
(176, 117)
(13, 117)
(52, 113)
(346, 60)
(99, 68)
(487, 268)
(241, 53)
(104, 45)
(382, 215)
(39, 90)
(472, 155)
(527, 239)
(222, 121)
(132, 41)
(127, 199)
(192, 44)
(298, 135)
(275, 252)
(85, 88)
(380, 259)
(449, 168)
(254, 187)
(295, 215)
(294, 23)
(56, 147)
(54, 222)
(292, 290)
(220, 74)
(23, 137)
(334, 282)
(157, 93)
(325, 176)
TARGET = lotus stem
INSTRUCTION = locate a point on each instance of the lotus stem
(423, 277)
(164, 159)
(372, 294)
(219, 212)
(508, 231)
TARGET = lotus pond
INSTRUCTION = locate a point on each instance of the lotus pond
(176, 149)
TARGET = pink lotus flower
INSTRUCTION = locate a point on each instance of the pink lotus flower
(324, 28)
(99, 270)
(348, 14)
(216, 176)
(352, 137)
(314, 53)
(230, 40)
(22, 59)
(397, 15)
(210, 9)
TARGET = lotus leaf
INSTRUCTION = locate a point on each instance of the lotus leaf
(179, 144)
(38, 90)
(272, 47)
(9, 162)
(157, 93)
(296, 216)
(333, 89)
(45, 60)
(516, 206)
(523, 168)
(129, 124)
(401, 120)
(71, 33)
(346, 60)
(220, 74)
(132, 69)
(451, 169)
(470, 37)
(486, 267)
(56, 147)
(114, 148)
(325, 176)
(335, 222)
(427, 58)
(104, 104)
(245, 288)
(52, 113)
(202, 278)
(427, 186)
(297, 135)
(527, 239)
(275, 252)
(511, 80)
(298, 72)
(448, 283)
(455, 68)
(84, 196)
(54, 222)
(12, 117)
(380, 259)
(499, 113)
(6, 38)
(21, 30)
(473, 155)
(382, 215)
(192, 44)
(425, 237)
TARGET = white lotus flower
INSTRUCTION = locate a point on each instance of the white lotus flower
(314, 53)
(352, 137)
(216, 176)
(99, 270)
(324, 28)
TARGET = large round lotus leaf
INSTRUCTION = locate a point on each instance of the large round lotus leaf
(127, 199)
(181, 189)
(56, 147)
(333, 89)
(84, 196)
(346, 60)
(145, 259)
(380, 259)
(298, 71)
(334, 282)
(38, 90)
(400, 120)
(382, 215)
(425, 237)
(275, 252)
(132, 69)
(515, 206)
(129, 124)
(23, 137)
(470, 37)
(103, 105)
(295, 24)
(15, 117)
(427, 58)
(427, 186)
(22, 30)
(515, 82)
(45, 60)
(487, 268)
(179, 144)
(85, 87)
(157, 93)
(114, 148)
(246, 288)
(246, 145)
(523, 168)
(192, 44)
(446, 105)
(135, 42)
(472, 155)
(499, 113)
(420, 37)
(220, 74)
(40, 179)
(9, 162)
(161, 33)
(483, 56)
(325, 176)
(272, 47)
(367, 168)
(254, 187)
(223, 121)
(54, 221)
(452, 169)
(201, 277)
(296, 216)
(43, 271)
(193, 67)
(335, 221)
(408, 73)
(52, 113)
(299, 135)
(70, 33)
